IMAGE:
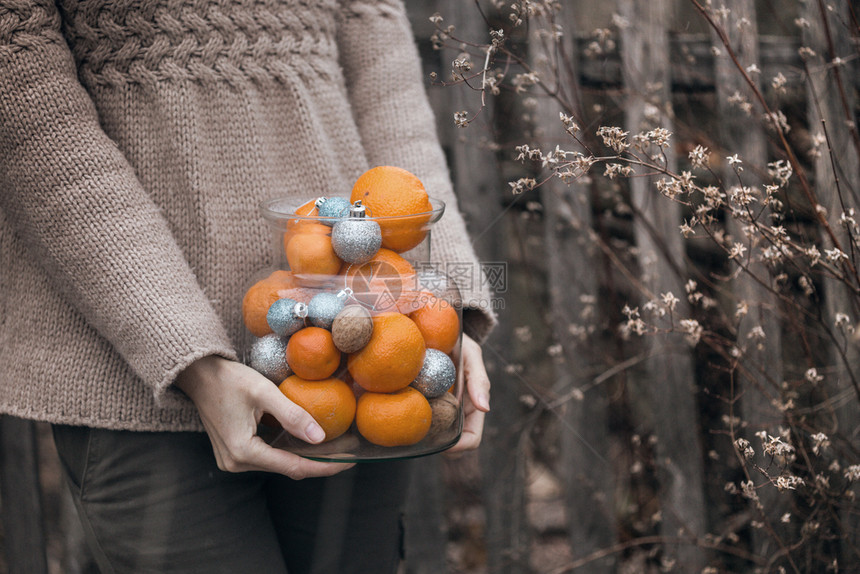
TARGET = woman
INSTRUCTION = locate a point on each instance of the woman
(136, 141)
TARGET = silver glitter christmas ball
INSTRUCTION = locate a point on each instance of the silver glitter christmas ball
(268, 357)
(437, 375)
(332, 207)
(286, 316)
(324, 307)
(356, 240)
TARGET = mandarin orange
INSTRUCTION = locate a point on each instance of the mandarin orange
(311, 354)
(392, 192)
(329, 401)
(400, 418)
(312, 254)
(439, 323)
(384, 283)
(392, 358)
(305, 210)
(260, 296)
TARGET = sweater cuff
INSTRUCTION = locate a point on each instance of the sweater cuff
(165, 391)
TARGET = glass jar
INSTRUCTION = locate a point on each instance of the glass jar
(358, 325)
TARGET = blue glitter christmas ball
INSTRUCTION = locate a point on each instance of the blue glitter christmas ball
(324, 307)
(437, 374)
(286, 316)
(268, 357)
(332, 207)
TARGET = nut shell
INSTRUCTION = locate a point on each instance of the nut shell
(352, 328)
(446, 410)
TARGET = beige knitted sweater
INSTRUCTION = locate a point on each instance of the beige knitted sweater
(137, 140)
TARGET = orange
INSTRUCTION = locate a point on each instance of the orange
(300, 294)
(329, 401)
(310, 227)
(393, 356)
(388, 191)
(311, 354)
(259, 297)
(384, 283)
(308, 208)
(311, 254)
(393, 419)
(438, 322)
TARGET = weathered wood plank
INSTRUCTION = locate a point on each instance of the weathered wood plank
(476, 174)
(587, 475)
(20, 497)
(742, 134)
(831, 106)
(691, 62)
(669, 382)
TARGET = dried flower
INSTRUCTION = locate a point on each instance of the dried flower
(775, 446)
(570, 126)
(693, 330)
(522, 184)
(699, 156)
(669, 300)
(820, 442)
(789, 482)
(812, 376)
(614, 138)
(744, 446)
(737, 251)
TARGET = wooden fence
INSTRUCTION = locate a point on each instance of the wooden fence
(633, 431)
(603, 452)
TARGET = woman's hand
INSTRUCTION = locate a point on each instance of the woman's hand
(231, 398)
(477, 400)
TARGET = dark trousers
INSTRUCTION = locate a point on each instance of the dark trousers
(157, 503)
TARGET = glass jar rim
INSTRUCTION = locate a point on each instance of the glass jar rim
(283, 209)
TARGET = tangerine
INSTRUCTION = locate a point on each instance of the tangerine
(307, 209)
(309, 227)
(329, 401)
(260, 296)
(311, 254)
(392, 358)
(400, 418)
(439, 323)
(384, 283)
(311, 354)
(388, 191)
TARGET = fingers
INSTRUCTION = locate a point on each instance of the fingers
(261, 456)
(292, 417)
(477, 403)
(473, 428)
(477, 380)
(230, 397)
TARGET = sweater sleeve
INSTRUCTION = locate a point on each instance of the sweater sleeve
(397, 126)
(77, 205)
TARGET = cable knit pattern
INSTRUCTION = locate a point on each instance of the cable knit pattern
(137, 140)
(27, 26)
(116, 43)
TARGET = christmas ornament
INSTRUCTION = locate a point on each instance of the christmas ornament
(356, 239)
(352, 328)
(324, 307)
(332, 207)
(268, 357)
(437, 374)
(286, 316)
